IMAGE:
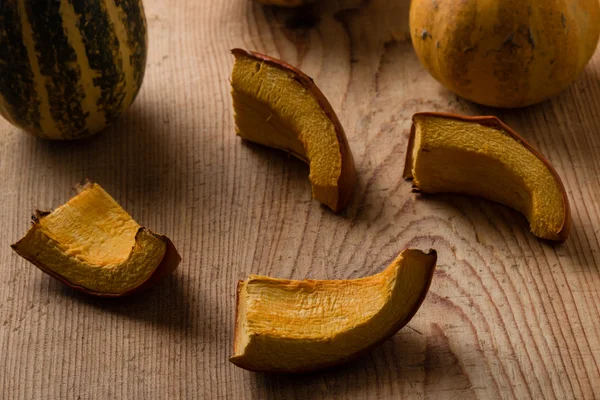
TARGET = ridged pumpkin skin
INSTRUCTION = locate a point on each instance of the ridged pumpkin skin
(68, 68)
(505, 53)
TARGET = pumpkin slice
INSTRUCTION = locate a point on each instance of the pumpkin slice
(278, 106)
(481, 156)
(91, 244)
(289, 326)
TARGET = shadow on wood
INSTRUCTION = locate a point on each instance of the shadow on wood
(413, 363)
(400, 357)
(286, 171)
(141, 160)
(170, 304)
(378, 21)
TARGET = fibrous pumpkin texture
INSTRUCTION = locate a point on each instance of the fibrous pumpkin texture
(298, 326)
(92, 244)
(278, 106)
(483, 157)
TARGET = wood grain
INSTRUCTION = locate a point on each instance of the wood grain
(508, 316)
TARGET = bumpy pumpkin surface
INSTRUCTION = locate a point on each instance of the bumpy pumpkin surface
(68, 68)
(508, 53)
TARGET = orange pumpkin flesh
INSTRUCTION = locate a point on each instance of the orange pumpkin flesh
(93, 245)
(509, 53)
(278, 106)
(483, 157)
(285, 326)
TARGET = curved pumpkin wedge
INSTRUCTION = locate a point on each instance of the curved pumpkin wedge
(481, 156)
(279, 106)
(285, 326)
(91, 244)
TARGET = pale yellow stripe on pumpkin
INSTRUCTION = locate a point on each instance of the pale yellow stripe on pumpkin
(95, 119)
(47, 123)
(117, 17)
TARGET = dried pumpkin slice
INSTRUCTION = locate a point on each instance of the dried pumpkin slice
(483, 157)
(93, 245)
(286, 326)
(278, 106)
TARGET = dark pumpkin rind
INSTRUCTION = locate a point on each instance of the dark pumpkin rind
(59, 66)
(17, 84)
(137, 38)
(102, 49)
(496, 123)
(347, 178)
(62, 70)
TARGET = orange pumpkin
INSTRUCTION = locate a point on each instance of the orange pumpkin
(505, 53)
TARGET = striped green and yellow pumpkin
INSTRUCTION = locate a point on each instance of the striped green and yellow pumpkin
(68, 68)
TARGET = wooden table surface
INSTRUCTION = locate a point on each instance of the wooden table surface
(508, 315)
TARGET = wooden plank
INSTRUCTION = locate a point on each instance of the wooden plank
(508, 316)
